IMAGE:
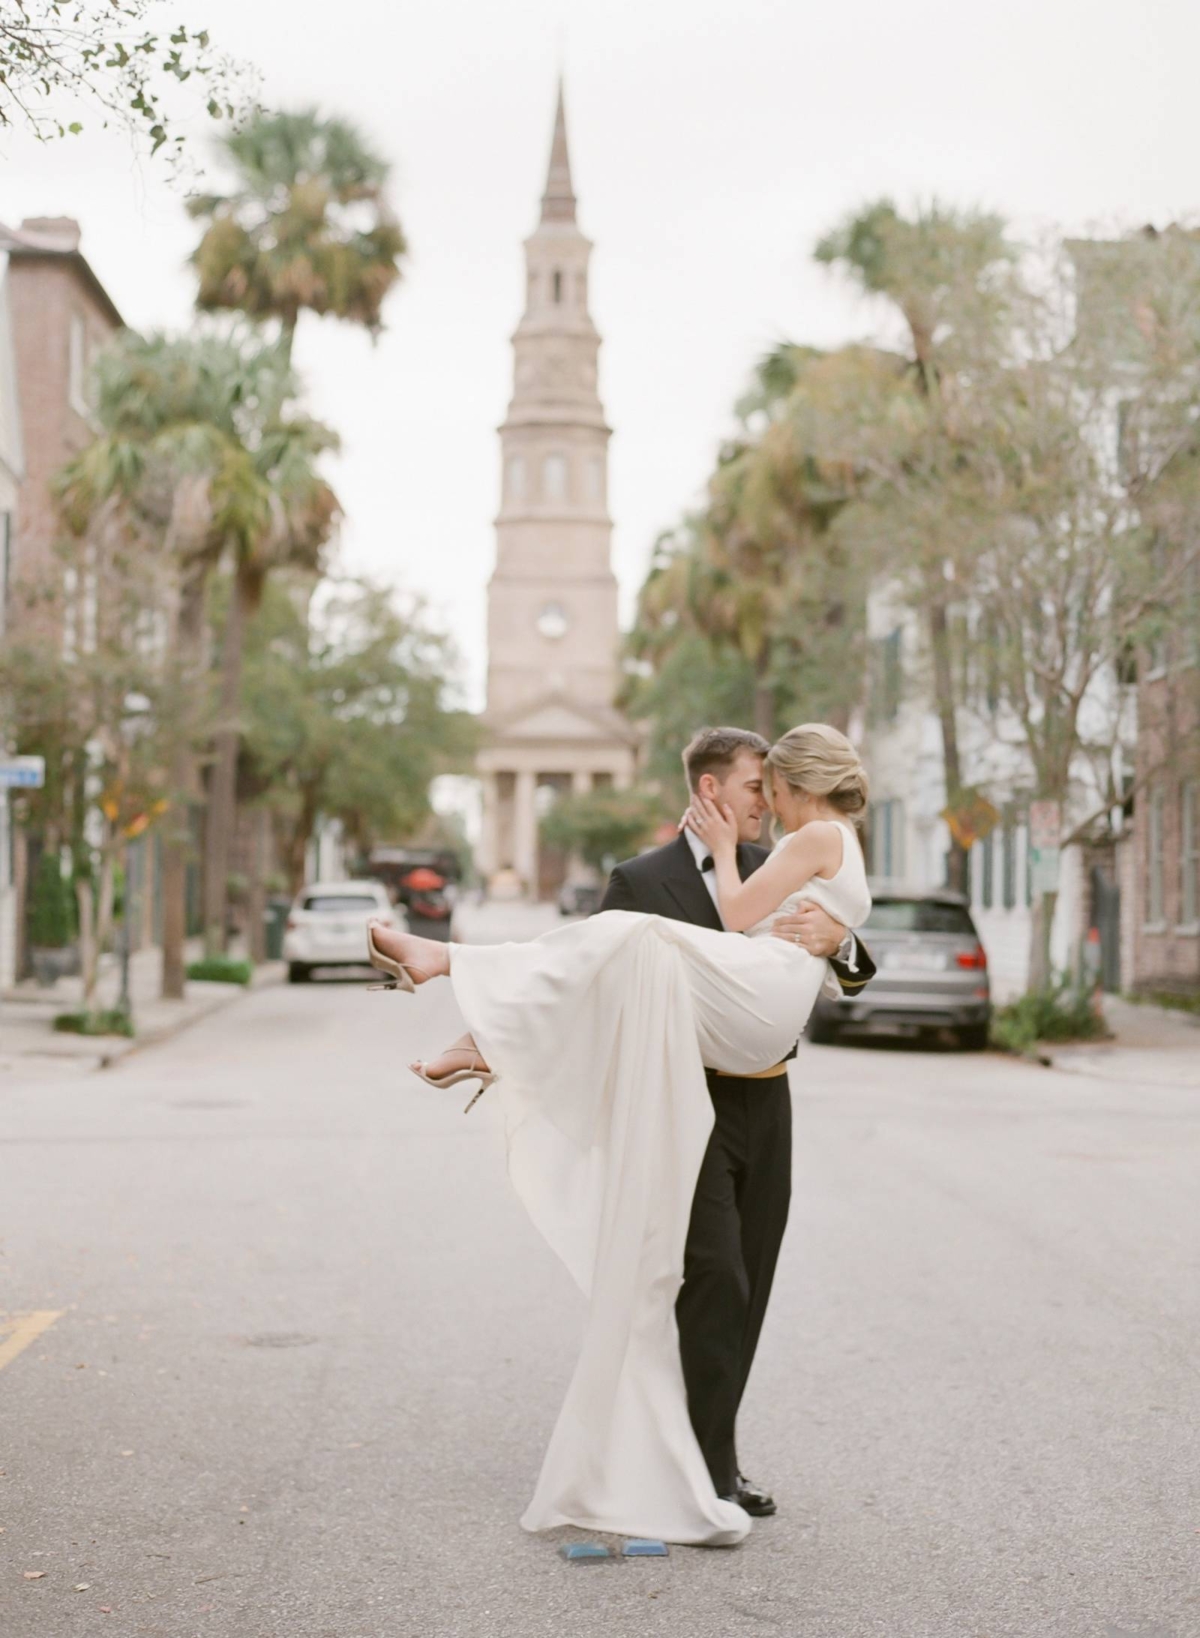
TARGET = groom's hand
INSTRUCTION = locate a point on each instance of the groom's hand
(813, 927)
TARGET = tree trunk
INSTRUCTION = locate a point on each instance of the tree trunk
(1041, 922)
(222, 791)
(297, 846)
(256, 937)
(943, 693)
(296, 849)
(764, 697)
(174, 879)
(89, 960)
(95, 923)
(182, 774)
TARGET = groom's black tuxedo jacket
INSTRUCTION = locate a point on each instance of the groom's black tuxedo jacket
(666, 882)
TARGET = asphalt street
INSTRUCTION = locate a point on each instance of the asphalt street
(300, 1352)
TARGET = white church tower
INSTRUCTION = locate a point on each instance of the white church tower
(552, 601)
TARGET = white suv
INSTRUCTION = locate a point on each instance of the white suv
(327, 926)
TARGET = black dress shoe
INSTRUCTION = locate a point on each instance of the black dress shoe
(753, 1499)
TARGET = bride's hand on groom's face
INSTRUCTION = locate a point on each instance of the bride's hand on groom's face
(714, 824)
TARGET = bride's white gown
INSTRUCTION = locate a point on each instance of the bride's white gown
(600, 1032)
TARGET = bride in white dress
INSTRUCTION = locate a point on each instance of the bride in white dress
(597, 1035)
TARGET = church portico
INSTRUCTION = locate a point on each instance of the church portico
(522, 778)
(552, 729)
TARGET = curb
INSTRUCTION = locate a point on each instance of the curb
(264, 977)
(202, 1006)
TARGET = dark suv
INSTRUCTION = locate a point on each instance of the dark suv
(932, 974)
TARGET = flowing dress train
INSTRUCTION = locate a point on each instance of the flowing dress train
(600, 1032)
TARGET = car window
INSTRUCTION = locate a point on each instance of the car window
(322, 902)
(919, 916)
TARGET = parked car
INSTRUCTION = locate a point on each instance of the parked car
(327, 926)
(932, 974)
(579, 899)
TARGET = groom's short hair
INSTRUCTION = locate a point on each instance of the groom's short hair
(715, 750)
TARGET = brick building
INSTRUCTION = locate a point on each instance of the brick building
(55, 315)
(61, 316)
(12, 466)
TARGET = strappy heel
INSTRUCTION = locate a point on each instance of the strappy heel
(402, 976)
(454, 1077)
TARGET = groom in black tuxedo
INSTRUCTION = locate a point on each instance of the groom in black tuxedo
(740, 1208)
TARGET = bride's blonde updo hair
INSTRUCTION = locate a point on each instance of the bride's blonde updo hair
(818, 761)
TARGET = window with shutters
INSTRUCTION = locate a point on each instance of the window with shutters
(1189, 854)
(1008, 863)
(988, 860)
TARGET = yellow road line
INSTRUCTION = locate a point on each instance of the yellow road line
(27, 1330)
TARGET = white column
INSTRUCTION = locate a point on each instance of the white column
(488, 862)
(8, 903)
(581, 782)
(525, 848)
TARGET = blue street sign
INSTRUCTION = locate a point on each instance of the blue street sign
(23, 773)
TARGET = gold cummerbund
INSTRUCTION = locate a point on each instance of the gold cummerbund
(758, 1075)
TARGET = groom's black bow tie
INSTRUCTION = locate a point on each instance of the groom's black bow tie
(706, 863)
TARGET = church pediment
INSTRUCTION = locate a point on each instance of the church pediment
(561, 718)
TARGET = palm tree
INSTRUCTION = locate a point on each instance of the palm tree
(307, 226)
(277, 513)
(760, 580)
(166, 466)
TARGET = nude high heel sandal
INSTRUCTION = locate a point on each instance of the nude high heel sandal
(402, 976)
(454, 1077)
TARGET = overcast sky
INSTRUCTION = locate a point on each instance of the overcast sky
(711, 143)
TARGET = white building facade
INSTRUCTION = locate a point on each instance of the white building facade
(908, 840)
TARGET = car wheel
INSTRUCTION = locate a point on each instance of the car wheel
(298, 973)
(974, 1038)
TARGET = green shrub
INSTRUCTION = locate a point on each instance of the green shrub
(221, 970)
(108, 1021)
(1060, 1013)
(1175, 1000)
(51, 923)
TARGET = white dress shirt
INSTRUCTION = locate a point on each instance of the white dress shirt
(847, 950)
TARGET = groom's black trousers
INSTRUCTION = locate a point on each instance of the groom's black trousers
(738, 1217)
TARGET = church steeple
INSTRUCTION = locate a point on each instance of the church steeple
(558, 201)
(552, 599)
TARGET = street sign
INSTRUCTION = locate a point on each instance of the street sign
(971, 818)
(1045, 824)
(1044, 864)
(1045, 828)
(26, 773)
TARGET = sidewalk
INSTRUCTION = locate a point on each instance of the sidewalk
(1151, 1045)
(27, 1012)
